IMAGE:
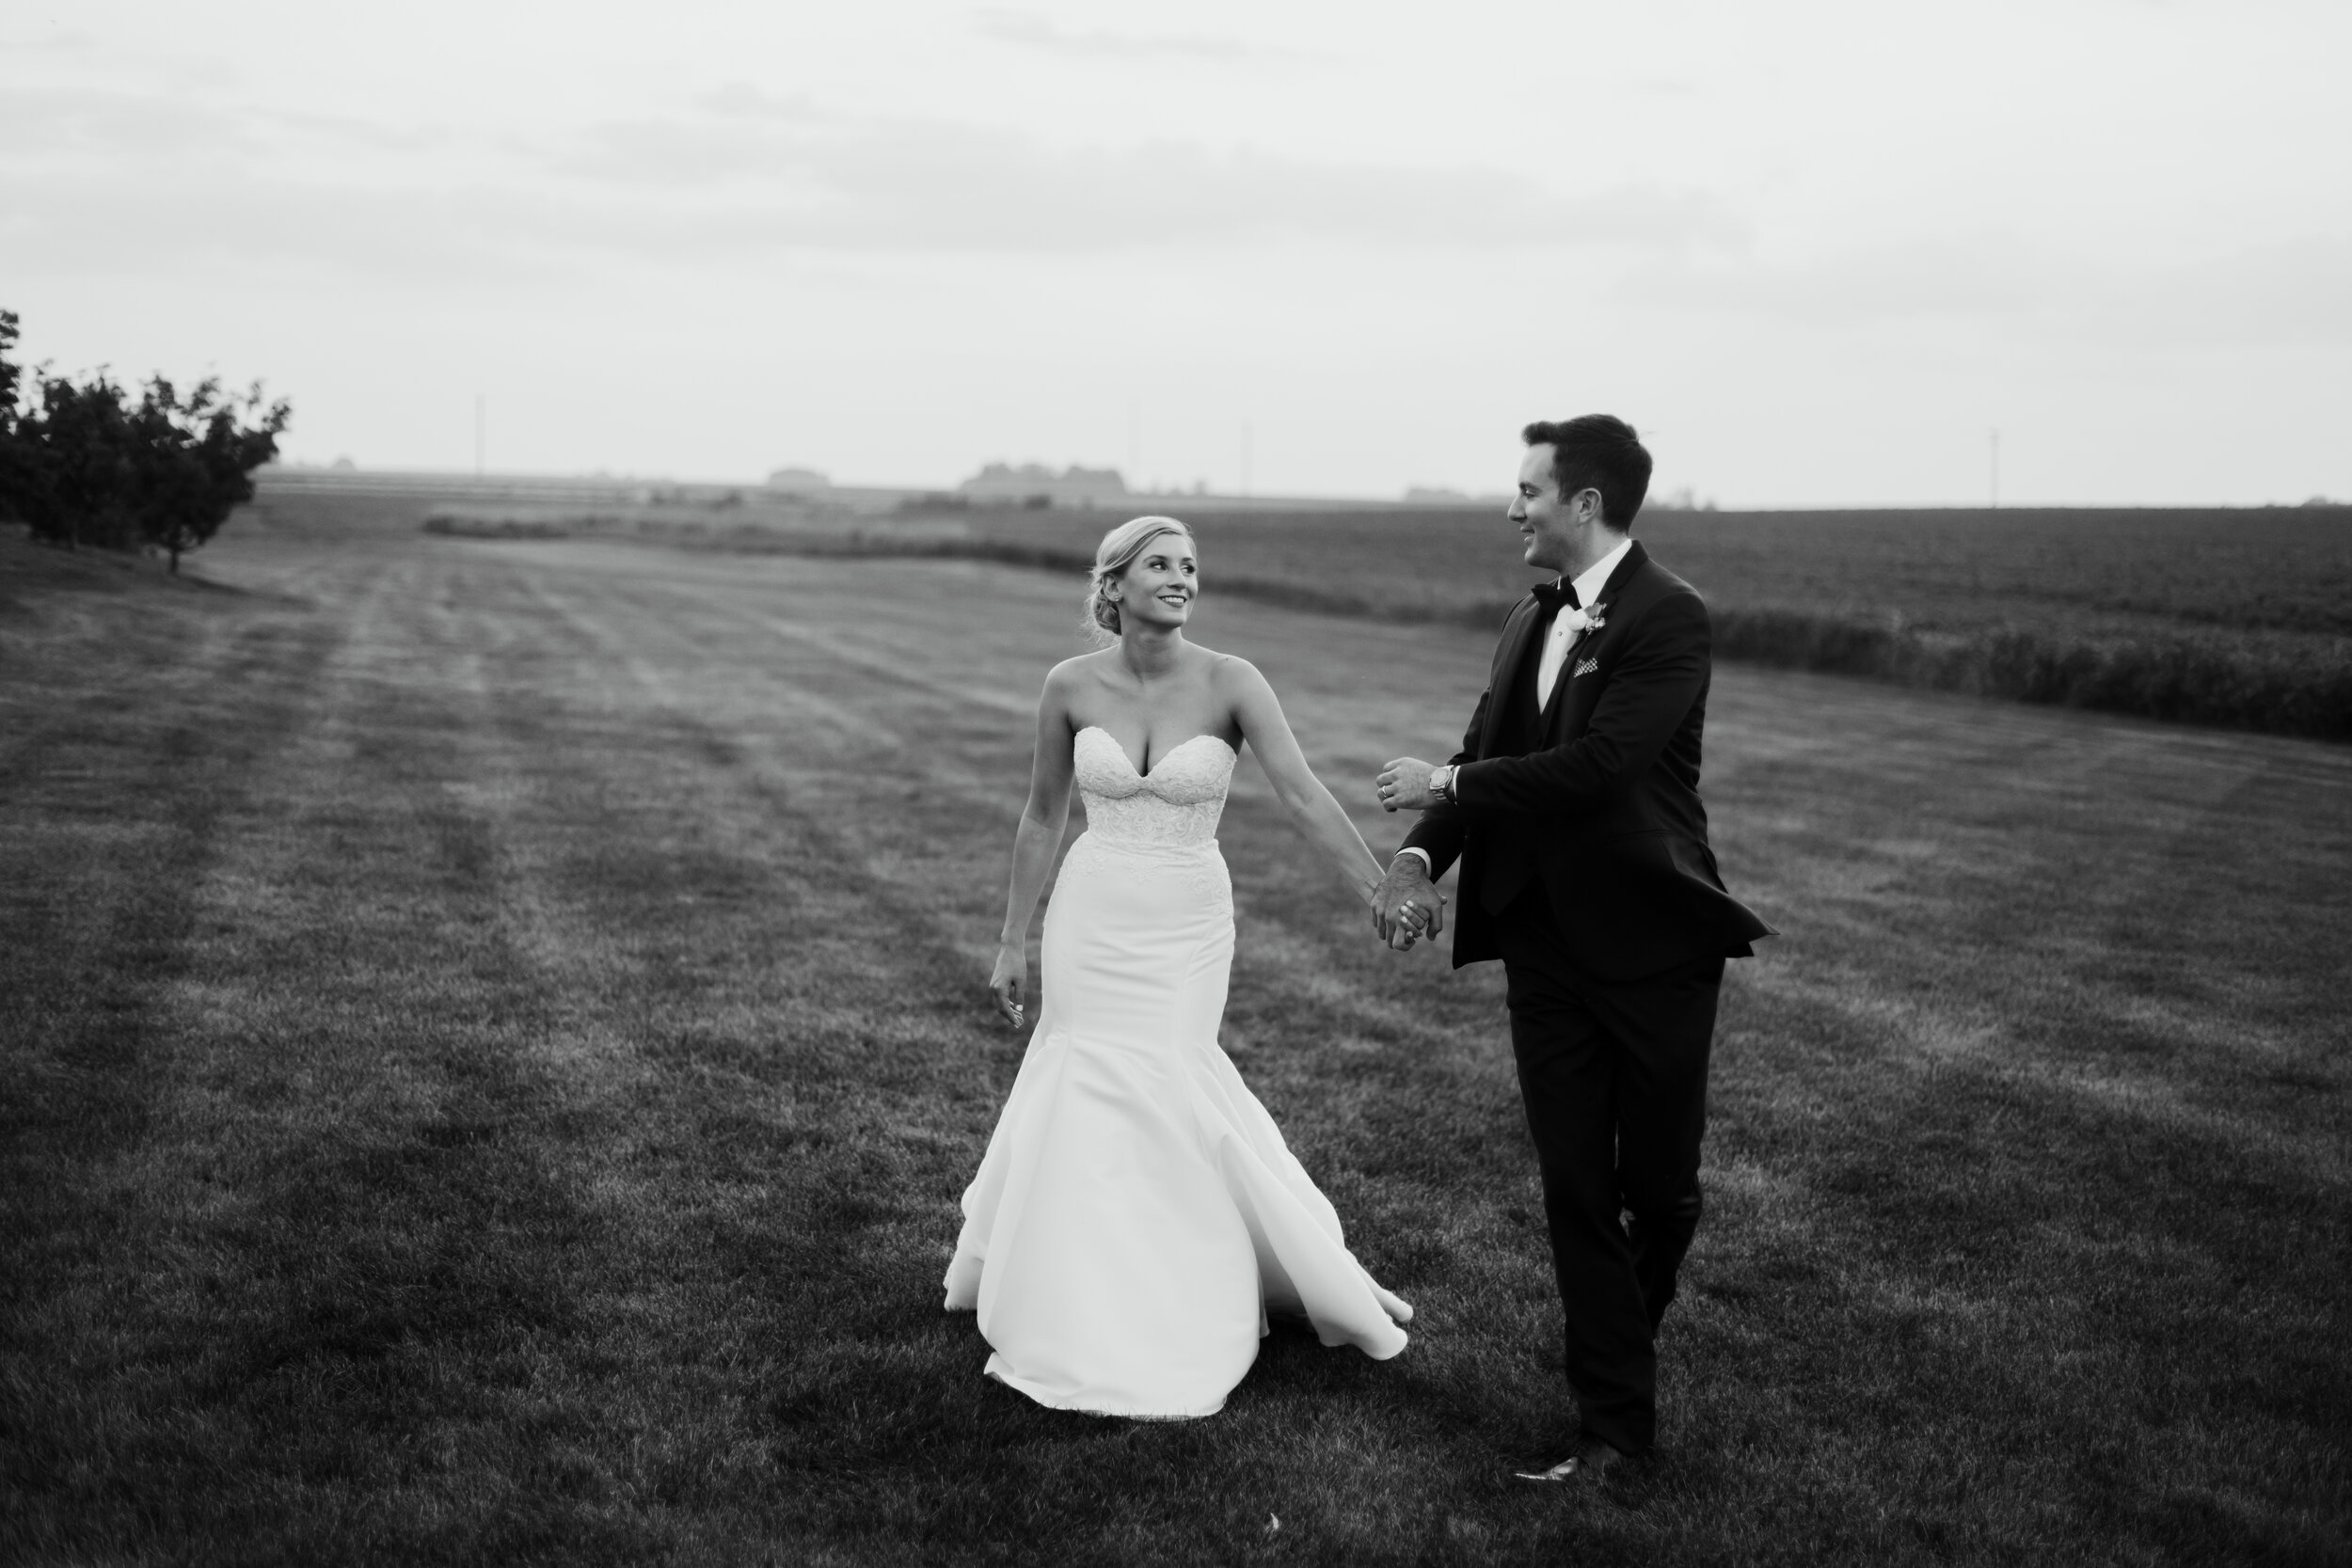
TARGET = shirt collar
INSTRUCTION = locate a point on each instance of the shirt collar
(1589, 584)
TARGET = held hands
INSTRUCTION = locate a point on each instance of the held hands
(1009, 986)
(1405, 786)
(1405, 906)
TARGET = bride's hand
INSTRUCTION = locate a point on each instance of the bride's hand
(1008, 985)
(1405, 906)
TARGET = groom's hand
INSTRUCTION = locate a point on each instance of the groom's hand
(1405, 786)
(1406, 905)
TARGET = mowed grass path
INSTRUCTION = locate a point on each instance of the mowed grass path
(491, 1038)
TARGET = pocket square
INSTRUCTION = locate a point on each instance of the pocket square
(1586, 668)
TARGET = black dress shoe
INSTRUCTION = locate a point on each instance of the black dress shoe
(1591, 1461)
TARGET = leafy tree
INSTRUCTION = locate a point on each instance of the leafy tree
(73, 450)
(9, 332)
(193, 459)
(84, 464)
(16, 467)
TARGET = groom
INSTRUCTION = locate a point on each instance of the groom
(1573, 806)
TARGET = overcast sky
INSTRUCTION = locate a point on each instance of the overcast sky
(1816, 251)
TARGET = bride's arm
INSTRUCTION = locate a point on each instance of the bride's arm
(1034, 846)
(1313, 812)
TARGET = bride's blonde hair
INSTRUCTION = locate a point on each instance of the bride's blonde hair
(1118, 552)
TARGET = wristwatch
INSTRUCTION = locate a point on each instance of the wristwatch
(1441, 782)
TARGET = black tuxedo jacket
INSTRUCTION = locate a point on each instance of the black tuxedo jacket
(1596, 795)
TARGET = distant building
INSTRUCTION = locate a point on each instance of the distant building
(1034, 484)
(1683, 499)
(1440, 495)
(799, 481)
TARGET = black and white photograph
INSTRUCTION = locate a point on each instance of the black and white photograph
(954, 784)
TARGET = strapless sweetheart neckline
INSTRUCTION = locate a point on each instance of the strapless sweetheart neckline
(1204, 735)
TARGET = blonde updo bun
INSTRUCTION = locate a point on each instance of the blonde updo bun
(1118, 552)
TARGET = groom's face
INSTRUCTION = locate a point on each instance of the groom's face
(1549, 524)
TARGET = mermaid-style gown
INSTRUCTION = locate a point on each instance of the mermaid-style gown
(1137, 1214)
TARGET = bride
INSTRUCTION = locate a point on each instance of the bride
(1137, 1214)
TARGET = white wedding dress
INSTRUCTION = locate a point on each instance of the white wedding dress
(1137, 1214)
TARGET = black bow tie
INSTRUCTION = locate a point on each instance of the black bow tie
(1551, 595)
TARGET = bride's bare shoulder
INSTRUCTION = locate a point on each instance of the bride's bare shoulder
(1230, 672)
(1074, 672)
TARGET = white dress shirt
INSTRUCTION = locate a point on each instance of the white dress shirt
(1588, 585)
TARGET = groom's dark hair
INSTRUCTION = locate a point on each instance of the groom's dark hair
(1596, 451)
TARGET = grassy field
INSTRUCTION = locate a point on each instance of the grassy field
(2237, 618)
(491, 1036)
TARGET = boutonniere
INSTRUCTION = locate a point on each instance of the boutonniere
(1582, 620)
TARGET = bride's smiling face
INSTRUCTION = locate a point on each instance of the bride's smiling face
(1158, 590)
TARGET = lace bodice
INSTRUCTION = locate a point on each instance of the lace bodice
(1176, 805)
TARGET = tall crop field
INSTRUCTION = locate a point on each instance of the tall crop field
(2240, 618)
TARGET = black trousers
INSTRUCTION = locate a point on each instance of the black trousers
(1614, 1077)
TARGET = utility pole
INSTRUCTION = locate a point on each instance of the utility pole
(1996, 467)
(481, 426)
